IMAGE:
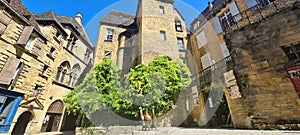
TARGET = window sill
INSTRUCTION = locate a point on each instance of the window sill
(43, 76)
(51, 56)
(108, 41)
(179, 30)
(61, 84)
(56, 39)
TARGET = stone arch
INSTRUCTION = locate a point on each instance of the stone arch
(63, 70)
(22, 122)
(52, 119)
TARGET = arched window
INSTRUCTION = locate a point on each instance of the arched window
(74, 75)
(62, 71)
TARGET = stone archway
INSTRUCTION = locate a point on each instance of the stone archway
(52, 118)
(22, 122)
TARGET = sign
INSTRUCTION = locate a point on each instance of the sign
(294, 74)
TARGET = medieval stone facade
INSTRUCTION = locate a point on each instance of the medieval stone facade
(157, 29)
(42, 57)
(231, 72)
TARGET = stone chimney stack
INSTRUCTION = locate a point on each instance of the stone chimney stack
(78, 18)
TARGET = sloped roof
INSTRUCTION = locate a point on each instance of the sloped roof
(50, 16)
(17, 7)
(118, 18)
(70, 20)
(60, 20)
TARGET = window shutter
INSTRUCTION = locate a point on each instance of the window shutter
(37, 48)
(4, 19)
(217, 25)
(2, 28)
(235, 12)
(8, 71)
(225, 50)
(201, 39)
(17, 75)
(205, 60)
(250, 3)
(25, 35)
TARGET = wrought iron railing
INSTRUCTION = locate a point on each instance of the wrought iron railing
(254, 14)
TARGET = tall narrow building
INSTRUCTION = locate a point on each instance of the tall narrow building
(156, 30)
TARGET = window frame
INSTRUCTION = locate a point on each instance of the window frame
(178, 25)
(162, 35)
(162, 9)
(109, 35)
(182, 47)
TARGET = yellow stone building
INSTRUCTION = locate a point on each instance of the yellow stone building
(218, 73)
(157, 29)
(42, 58)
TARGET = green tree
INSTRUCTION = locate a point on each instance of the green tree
(155, 84)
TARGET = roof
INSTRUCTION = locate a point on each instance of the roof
(207, 13)
(50, 16)
(118, 18)
(18, 8)
(62, 20)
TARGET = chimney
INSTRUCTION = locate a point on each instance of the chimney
(78, 18)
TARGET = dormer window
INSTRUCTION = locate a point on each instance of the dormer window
(178, 25)
(162, 9)
(29, 42)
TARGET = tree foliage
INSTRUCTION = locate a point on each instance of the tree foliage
(154, 84)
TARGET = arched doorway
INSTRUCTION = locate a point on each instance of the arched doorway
(52, 118)
(22, 122)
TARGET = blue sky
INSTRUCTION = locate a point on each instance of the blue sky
(94, 10)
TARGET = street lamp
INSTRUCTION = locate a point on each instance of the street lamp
(37, 90)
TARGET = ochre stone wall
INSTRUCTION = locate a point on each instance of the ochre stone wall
(268, 95)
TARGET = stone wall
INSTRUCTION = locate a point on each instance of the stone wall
(269, 99)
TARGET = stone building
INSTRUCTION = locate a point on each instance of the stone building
(221, 71)
(157, 29)
(42, 57)
(211, 57)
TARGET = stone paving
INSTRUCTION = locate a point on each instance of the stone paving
(192, 131)
(183, 131)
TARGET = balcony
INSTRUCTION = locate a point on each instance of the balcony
(255, 14)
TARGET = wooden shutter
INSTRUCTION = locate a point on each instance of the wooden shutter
(235, 12)
(250, 3)
(8, 71)
(205, 60)
(2, 28)
(4, 19)
(225, 50)
(25, 35)
(37, 48)
(217, 25)
(14, 81)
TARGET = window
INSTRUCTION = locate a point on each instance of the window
(62, 71)
(263, 3)
(45, 68)
(201, 39)
(225, 50)
(292, 52)
(29, 42)
(162, 9)
(178, 26)
(37, 90)
(109, 35)
(52, 51)
(107, 54)
(227, 19)
(163, 35)
(180, 43)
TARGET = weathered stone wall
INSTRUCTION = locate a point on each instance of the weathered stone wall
(259, 63)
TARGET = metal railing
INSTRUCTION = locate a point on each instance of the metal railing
(255, 14)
